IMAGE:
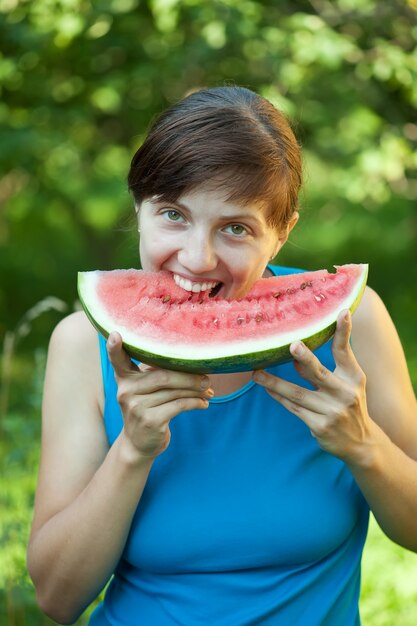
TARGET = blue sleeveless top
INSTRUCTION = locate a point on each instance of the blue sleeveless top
(244, 520)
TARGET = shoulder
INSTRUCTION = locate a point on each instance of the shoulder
(372, 327)
(373, 332)
(74, 337)
(370, 305)
(74, 354)
(75, 328)
(74, 441)
(378, 350)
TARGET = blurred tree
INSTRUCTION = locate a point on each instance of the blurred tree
(81, 81)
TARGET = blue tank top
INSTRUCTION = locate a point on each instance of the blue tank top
(244, 520)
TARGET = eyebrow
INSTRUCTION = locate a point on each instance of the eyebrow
(181, 205)
(159, 200)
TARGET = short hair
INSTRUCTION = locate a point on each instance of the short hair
(228, 135)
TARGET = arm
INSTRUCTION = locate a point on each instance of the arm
(364, 412)
(388, 479)
(87, 493)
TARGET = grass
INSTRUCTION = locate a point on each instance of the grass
(389, 579)
(389, 582)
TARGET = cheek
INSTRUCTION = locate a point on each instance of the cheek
(147, 254)
(252, 265)
(154, 251)
(247, 273)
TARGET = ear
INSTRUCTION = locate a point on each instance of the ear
(137, 210)
(285, 232)
(288, 227)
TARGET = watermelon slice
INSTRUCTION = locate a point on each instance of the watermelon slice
(163, 325)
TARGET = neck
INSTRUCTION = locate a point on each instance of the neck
(223, 384)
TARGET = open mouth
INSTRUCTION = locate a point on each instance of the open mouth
(211, 287)
(215, 290)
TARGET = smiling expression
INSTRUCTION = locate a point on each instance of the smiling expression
(208, 243)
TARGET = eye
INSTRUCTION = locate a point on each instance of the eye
(172, 215)
(236, 229)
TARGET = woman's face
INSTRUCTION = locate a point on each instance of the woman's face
(206, 242)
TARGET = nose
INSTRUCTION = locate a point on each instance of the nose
(198, 255)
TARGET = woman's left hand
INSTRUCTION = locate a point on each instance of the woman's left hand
(336, 411)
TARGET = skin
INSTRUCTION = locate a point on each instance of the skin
(199, 242)
(204, 238)
(87, 493)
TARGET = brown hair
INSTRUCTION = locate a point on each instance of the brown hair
(228, 135)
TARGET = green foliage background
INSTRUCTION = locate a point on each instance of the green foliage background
(81, 80)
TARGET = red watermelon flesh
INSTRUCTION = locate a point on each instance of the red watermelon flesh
(141, 300)
(167, 326)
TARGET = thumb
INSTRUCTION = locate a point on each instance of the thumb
(341, 348)
(122, 363)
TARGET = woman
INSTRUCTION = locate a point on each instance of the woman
(251, 507)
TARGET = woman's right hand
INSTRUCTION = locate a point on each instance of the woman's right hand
(149, 398)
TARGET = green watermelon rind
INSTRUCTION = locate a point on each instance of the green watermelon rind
(225, 364)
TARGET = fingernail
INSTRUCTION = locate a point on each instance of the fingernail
(209, 393)
(298, 349)
(205, 382)
(346, 316)
(111, 340)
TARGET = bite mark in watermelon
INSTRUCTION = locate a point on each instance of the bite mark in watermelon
(163, 325)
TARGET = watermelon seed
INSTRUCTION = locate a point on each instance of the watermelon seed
(259, 317)
(166, 299)
(240, 320)
(291, 290)
(306, 284)
(278, 294)
(319, 297)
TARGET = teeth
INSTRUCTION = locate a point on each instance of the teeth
(194, 287)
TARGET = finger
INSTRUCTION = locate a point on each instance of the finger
(156, 379)
(310, 418)
(310, 368)
(122, 363)
(341, 347)
(164, 396)
(347, 367)
(294, 394)
(169, 410)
